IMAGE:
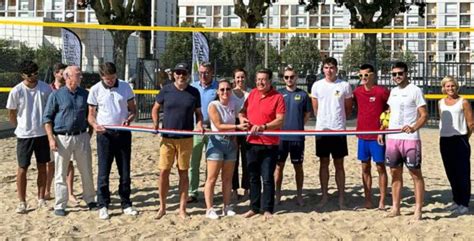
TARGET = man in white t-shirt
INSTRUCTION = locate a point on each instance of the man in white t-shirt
(332, 103)
(408, 113)
(25, 105)
(112, 102)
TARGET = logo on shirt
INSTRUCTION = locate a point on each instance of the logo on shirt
(297, 97)
(337, 93)
(372, 99)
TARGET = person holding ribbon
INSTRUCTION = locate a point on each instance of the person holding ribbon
(221, 150)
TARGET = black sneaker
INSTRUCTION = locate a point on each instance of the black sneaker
(92, 206)
(60, 212)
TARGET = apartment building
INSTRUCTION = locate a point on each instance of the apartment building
(449, 46)
(97, 44)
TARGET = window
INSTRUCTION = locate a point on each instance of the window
(451, 21)
(338, 10)
(300, 22)
(234, 22)
(202, 21)
(337, 45)
(413, 21)
(451, 7)
(202, 11)
(300, 10)
(451, 45)
(450, 57)
(412, 46)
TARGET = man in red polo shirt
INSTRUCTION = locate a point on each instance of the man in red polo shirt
(264, 109)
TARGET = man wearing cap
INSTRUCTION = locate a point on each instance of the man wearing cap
(112, 102)
(208, 91)
(65, 121)
(181, 103)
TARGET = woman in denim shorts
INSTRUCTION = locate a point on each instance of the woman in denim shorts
(221, 150)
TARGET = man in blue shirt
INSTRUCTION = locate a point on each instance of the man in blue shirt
(208, 90)
(65, 122)
(298, 110)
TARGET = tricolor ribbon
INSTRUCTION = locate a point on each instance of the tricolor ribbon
(245, 133)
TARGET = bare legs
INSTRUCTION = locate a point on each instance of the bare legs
(163, 187)
(367, 183)
(324, 180)
(299, 178)
(397, 184)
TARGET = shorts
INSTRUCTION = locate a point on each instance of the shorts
(336, 146)
(294, 148)
(26, 146)
(403, 151)
(171, 148)
(221, 148)
(370, 150)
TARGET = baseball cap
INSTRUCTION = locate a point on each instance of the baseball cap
(181, 66)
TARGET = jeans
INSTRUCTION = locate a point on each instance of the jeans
(110, 145)
(241, 151)
(456, 155)
(261, 163)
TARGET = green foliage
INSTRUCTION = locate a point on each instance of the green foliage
(302, 53)
(46, 56)
(232, 54)
(274, 61)
(353, 56)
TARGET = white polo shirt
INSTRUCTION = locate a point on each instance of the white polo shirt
(112, 103)
(29, 104)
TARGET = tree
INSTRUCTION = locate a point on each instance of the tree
(251, 15)
(302, 53)
(46, 56)
(353, 56)
(233, 53)
(111, 12)
(363, 15)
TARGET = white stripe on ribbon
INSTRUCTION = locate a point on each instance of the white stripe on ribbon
(244, 133)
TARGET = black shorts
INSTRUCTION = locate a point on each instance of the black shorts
(26, 146)
(336, 146)
(294, 148)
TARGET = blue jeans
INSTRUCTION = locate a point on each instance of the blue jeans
(261, 163)
(110, 145)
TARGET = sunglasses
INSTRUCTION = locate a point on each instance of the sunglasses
(366, 75)
(181, 72)
(31, 74)
(395, 74)
(204, 73)
(224, 89)
(287, 77)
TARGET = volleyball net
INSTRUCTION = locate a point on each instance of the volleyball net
(152, 50)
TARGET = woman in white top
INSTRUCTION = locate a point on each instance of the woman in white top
(221, 150)
(456, 125)
(240, 94)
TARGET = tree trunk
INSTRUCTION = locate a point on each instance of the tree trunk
(370, 47)
(250, 57)
(120, 51)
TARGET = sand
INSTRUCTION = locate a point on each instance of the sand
(290, 222)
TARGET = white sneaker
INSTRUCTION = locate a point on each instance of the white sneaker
(41, 203)
(104, 213)
(461, 210)
(228, 211)
(131, 211)
(452, 207)
(211, 214)
(21, 208)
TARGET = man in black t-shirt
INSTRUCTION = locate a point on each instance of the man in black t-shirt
(180, 102)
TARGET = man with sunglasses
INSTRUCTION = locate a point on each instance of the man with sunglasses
(371, 102)
(332, 104)
(208, 90)
(408, 113)
(181, 104)
(25, 104)
(298, 110)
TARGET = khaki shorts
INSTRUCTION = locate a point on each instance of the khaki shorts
(171, 149)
